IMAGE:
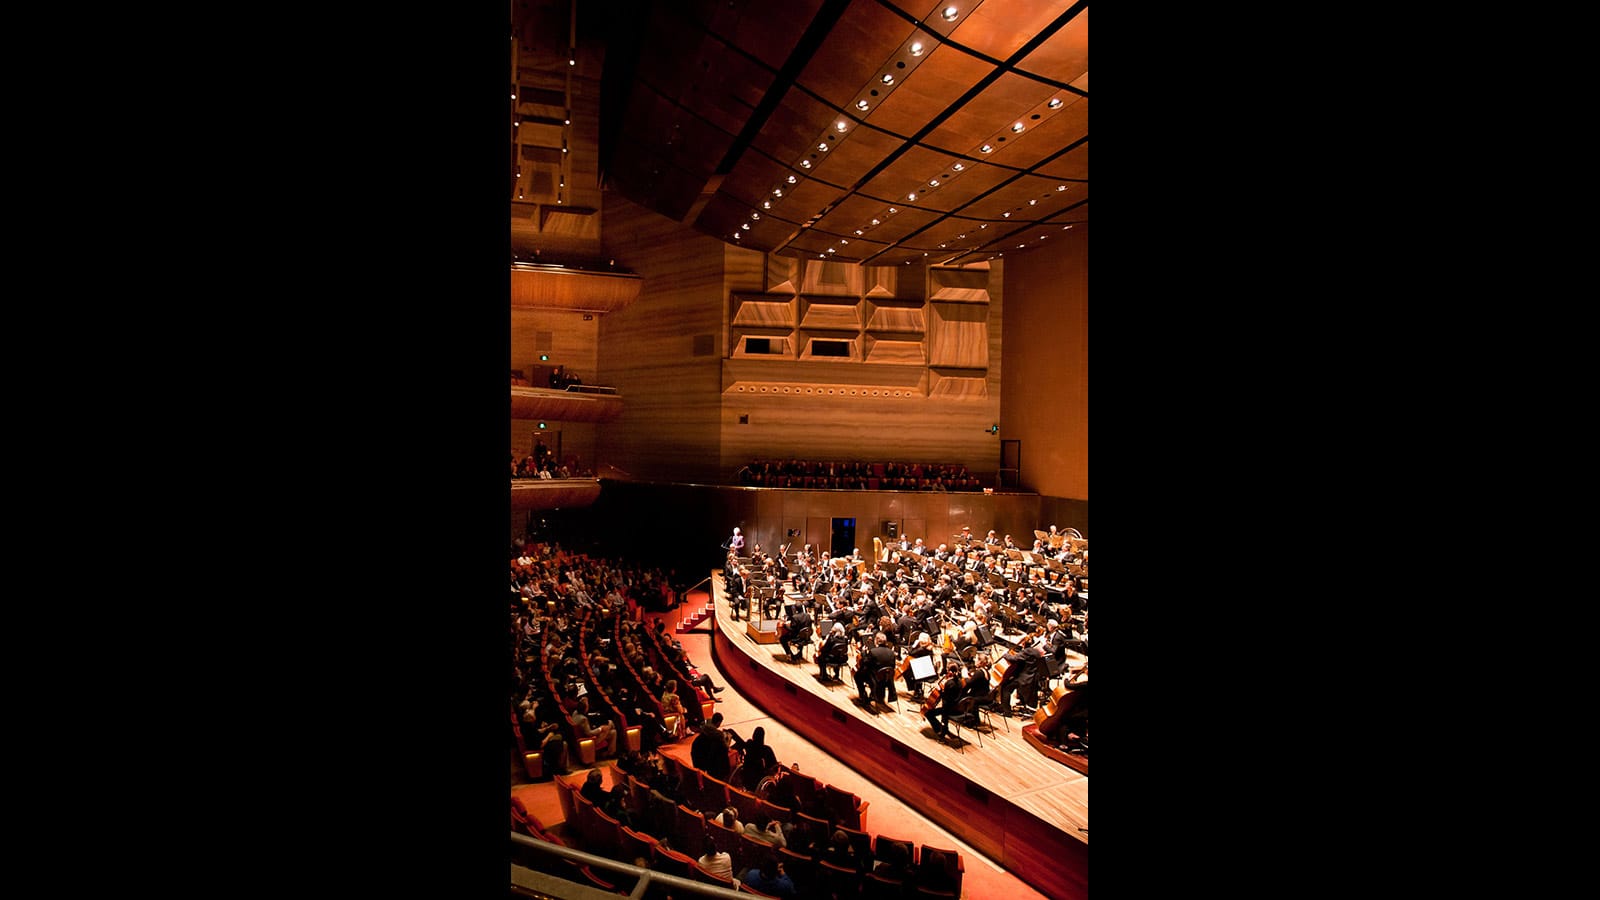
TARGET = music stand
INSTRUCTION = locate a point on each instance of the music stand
(922, 667)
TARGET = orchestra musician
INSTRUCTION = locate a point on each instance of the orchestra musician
(797, 633)
(835, 651)
(951, 690)
(871, 667)
(1028, 671)
(922, 647)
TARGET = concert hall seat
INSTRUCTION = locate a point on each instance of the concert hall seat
(940, 869)
(723, 881)
(752, 850)
(671, 862)
(564, 793)
(880, 844)
(838, 881)
(845, 807)
(688, 830)
(862, 842)
(724, 838)
(748, 804)
(881, 887)
(802, 870)
(633, 845)
(714, 794)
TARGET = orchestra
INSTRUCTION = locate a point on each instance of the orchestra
(952, 604)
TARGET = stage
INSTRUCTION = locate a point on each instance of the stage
(1027, 812)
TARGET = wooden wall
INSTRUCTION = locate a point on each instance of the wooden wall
(671, 397)
(1045, 387)
(923, 384)
(575, 344)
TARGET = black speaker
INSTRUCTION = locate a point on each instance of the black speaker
(985, 636)
(891, 528)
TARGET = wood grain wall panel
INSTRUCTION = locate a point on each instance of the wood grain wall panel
(1048, 366)
(970, 285)
(878, 350)
(578, 438)
(668, 428)
(958, 335)
(862, 428)
(574, 343)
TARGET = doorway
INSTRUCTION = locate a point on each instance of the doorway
(843, 542)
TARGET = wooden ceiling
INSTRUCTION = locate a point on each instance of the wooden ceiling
(877, 132)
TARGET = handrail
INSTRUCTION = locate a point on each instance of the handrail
(645, 876)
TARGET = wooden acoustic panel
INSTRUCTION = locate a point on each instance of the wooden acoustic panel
(958, 335)
(959, 285)
(895, 352)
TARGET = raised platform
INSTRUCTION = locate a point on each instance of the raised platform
(1027, 812)
(553, 493)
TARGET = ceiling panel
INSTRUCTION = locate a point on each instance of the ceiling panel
(946, 74)
(1000, 28)
(1009, 99)
(857, 51)
(697, 85)
(1064, 56)
(1074, 164)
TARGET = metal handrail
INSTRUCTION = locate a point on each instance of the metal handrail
(646, 876)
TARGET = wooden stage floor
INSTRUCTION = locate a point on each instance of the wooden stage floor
(1026, 811)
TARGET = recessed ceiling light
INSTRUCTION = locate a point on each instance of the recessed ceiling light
(841, 125)
(1020, 246)
(1055, 103)
(1017, 127)
(916, 50)
(862, 104)
(858, 232)
(778, 192)
(831, 249)
(888, 78)
(933, 182)
(745, 226)
(754, 214)
(1065, 227)
(1061, 187)
(1006, 215)
(823, 147)
(941, 246)
(911, 196)
(513, 96)
(568, 122)
(766, 204)
(958, 167)
(572, 62)
(983, 226)
(843, 241)
(792, 179)
(1032, 202)
(874, 221)
(961, 237)
(736, 235)
(986, 148)
(892, 210)
(950, 13)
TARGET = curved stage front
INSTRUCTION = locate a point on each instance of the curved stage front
(1028, 813)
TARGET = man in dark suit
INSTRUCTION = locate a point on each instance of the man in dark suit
(874, 661)
(709, 752)
(798, 633)
(735, 586)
